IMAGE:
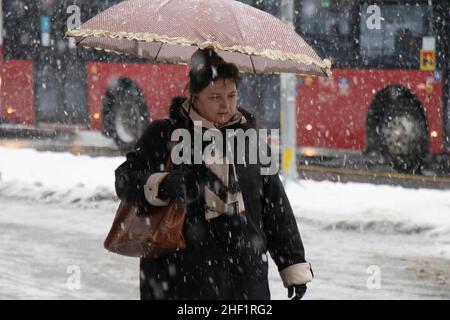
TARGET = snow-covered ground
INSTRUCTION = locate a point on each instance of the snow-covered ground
(364, 241)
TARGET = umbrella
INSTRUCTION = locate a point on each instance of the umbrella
(170, 31)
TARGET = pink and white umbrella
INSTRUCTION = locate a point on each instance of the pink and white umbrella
(170, 31)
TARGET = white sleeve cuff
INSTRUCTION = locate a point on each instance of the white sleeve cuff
(299, 273)
(151, 189)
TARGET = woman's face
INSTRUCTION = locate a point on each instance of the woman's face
(217, 102)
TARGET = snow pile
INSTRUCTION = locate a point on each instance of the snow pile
(366, 207)
(61, 178)
(83, 181)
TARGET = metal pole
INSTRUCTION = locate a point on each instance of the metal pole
(288, 116)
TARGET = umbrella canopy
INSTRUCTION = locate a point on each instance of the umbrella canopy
(170, 31)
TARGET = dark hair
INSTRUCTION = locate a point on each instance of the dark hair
(208, 66)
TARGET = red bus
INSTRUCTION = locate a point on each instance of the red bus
(48, 83)
(389, 93)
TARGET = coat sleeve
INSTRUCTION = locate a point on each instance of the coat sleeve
(137, 179)
(283, 237)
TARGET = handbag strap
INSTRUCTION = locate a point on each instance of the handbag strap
(169, 165)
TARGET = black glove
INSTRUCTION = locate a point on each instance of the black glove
(173, 186)
(297, 291)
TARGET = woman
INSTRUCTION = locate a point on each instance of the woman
(234, 214)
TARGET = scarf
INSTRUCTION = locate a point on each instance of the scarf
(222, 192)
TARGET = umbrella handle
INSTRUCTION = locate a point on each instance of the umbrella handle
(190, 105)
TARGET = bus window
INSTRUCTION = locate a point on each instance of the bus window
(327, 26)
(21, 37)
(105, 4)
(398, 40)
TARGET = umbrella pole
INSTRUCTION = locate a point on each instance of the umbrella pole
(288, 114)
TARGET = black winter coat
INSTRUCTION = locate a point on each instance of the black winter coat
(220, 261)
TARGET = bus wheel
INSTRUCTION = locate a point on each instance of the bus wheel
(128, 118)
(404, 139)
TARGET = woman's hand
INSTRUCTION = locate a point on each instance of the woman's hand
(296, 292)
(173, 185)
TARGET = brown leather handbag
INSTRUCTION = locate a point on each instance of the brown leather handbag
(149, 232)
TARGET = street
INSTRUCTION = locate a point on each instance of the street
(51, 251)
(364, 241)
